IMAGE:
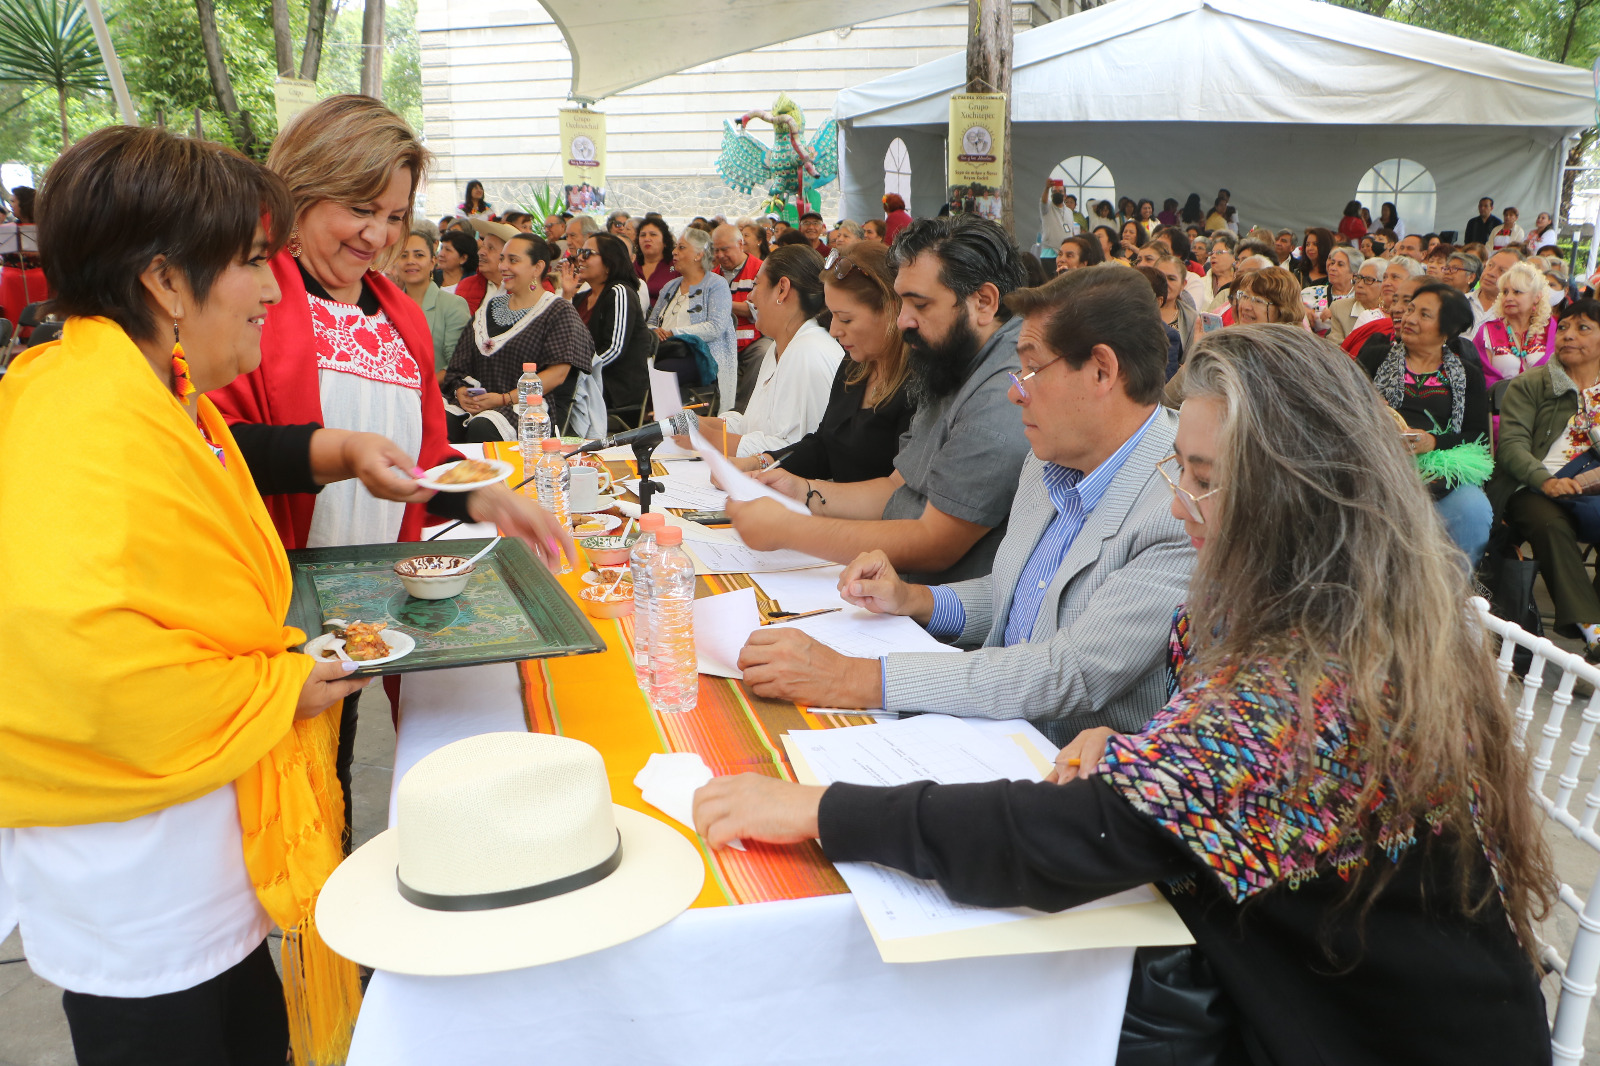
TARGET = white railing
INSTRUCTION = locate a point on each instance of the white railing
(1582, 964)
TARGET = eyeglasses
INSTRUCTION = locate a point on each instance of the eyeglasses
(1191, 502)
(584, 253)
(1363, 279)
(1018, 380)
(1252, 299)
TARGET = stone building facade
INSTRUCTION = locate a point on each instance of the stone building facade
(494, 77)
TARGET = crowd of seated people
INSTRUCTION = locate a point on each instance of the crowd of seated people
(1072, 463)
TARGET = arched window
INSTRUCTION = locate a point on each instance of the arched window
(1405, 183)
(897, 170)
(1087, 178)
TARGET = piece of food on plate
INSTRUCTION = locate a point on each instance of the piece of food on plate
(467, 471)
(363, 643)
(589, 527)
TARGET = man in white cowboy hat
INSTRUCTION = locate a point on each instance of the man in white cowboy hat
(492, 237)
(507, 852)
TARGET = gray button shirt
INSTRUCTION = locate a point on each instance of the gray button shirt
(964, 454)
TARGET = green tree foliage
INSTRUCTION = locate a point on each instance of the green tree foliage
(1562, 31)
(48, 46)
(158, 42)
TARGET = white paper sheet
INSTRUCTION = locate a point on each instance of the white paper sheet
(739, 485)
(721, 626)
(734, 557)
(668, 782)
(665, 396)
(929, 747)
(865, 635)
(687, 496)
(804, 590)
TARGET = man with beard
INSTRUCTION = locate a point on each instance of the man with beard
(942, 513)
(1070, 630)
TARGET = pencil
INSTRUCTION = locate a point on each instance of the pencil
(724, 440)
(697, 406)
(1074, 762)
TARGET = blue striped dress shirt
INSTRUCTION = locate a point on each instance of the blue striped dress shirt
(1074, 495)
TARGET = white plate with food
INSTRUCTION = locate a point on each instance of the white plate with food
(356, 642)
(464, 475)
(594, 525)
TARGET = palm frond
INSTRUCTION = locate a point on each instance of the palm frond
(49, 42)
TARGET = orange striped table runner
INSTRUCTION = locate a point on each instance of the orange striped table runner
(595, 698)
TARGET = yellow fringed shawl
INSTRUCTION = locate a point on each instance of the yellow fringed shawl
(143, 657)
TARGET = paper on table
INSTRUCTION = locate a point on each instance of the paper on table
(668, 782)
(860, 633)
(947, 750)
(688, 496)
(721, 626)
(739, 485)
(804, 590)
(691, 530)
(734, 557)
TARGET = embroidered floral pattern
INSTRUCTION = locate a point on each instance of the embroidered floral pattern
(368, 346)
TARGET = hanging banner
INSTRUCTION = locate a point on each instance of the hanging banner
(292, 96)
(977, 143)
(583, 159)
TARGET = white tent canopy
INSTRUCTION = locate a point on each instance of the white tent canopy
(1287, 103)
(618, 44)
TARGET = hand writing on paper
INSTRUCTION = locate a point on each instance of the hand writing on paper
(756, 807)
(1081, 755)
(762, 524)
(871, 581)
(518, 516)
(782, 663)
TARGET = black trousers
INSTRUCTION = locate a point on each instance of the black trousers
(1543, 524)
(235, 1019)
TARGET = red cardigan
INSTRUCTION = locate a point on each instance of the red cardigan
(283, 390)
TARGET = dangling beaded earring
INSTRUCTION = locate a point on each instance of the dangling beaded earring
(292, 245)
(180, 369)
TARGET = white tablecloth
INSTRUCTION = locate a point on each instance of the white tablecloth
(770, 983)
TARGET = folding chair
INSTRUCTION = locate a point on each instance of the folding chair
(1581, 966)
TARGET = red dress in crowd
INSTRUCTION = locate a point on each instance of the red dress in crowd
(893, 223)
(1351, 228)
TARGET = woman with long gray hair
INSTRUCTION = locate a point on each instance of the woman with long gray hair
(1332, 801)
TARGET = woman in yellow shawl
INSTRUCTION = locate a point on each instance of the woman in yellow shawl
(165, 765)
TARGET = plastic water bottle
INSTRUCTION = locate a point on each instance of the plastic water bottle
(639, 559)
(674, 672)
(550, 475)
(533, 427)
(529, 384)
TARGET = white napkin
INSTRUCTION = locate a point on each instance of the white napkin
(668, 782)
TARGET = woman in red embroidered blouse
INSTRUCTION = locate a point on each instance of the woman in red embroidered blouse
(347, 348)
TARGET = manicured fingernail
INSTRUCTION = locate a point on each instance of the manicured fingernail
(417, 471)
(347, 667)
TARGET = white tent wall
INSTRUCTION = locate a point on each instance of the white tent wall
(1255, 95)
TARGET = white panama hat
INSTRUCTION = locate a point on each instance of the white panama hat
(507, 852)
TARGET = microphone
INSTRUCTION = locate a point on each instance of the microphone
(677, 425)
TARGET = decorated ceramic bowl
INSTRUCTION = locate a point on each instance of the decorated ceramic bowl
(601, 601)
(422, 579)
(606, 551)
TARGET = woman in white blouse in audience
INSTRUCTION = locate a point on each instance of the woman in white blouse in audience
(793, 383)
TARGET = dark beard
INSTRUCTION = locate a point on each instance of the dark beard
(938, 370)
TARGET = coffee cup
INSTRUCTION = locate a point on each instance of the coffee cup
(583, 489)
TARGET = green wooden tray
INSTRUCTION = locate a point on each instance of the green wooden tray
(511, 609)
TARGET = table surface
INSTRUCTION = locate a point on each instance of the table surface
(718, 984)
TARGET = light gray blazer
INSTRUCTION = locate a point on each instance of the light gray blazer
(1098, 651)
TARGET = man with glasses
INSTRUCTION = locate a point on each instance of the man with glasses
(1461, 271)
(739, 269)
(1070, 630)
(942, 513)
(811, 228)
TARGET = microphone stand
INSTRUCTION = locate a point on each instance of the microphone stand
(643, 451)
